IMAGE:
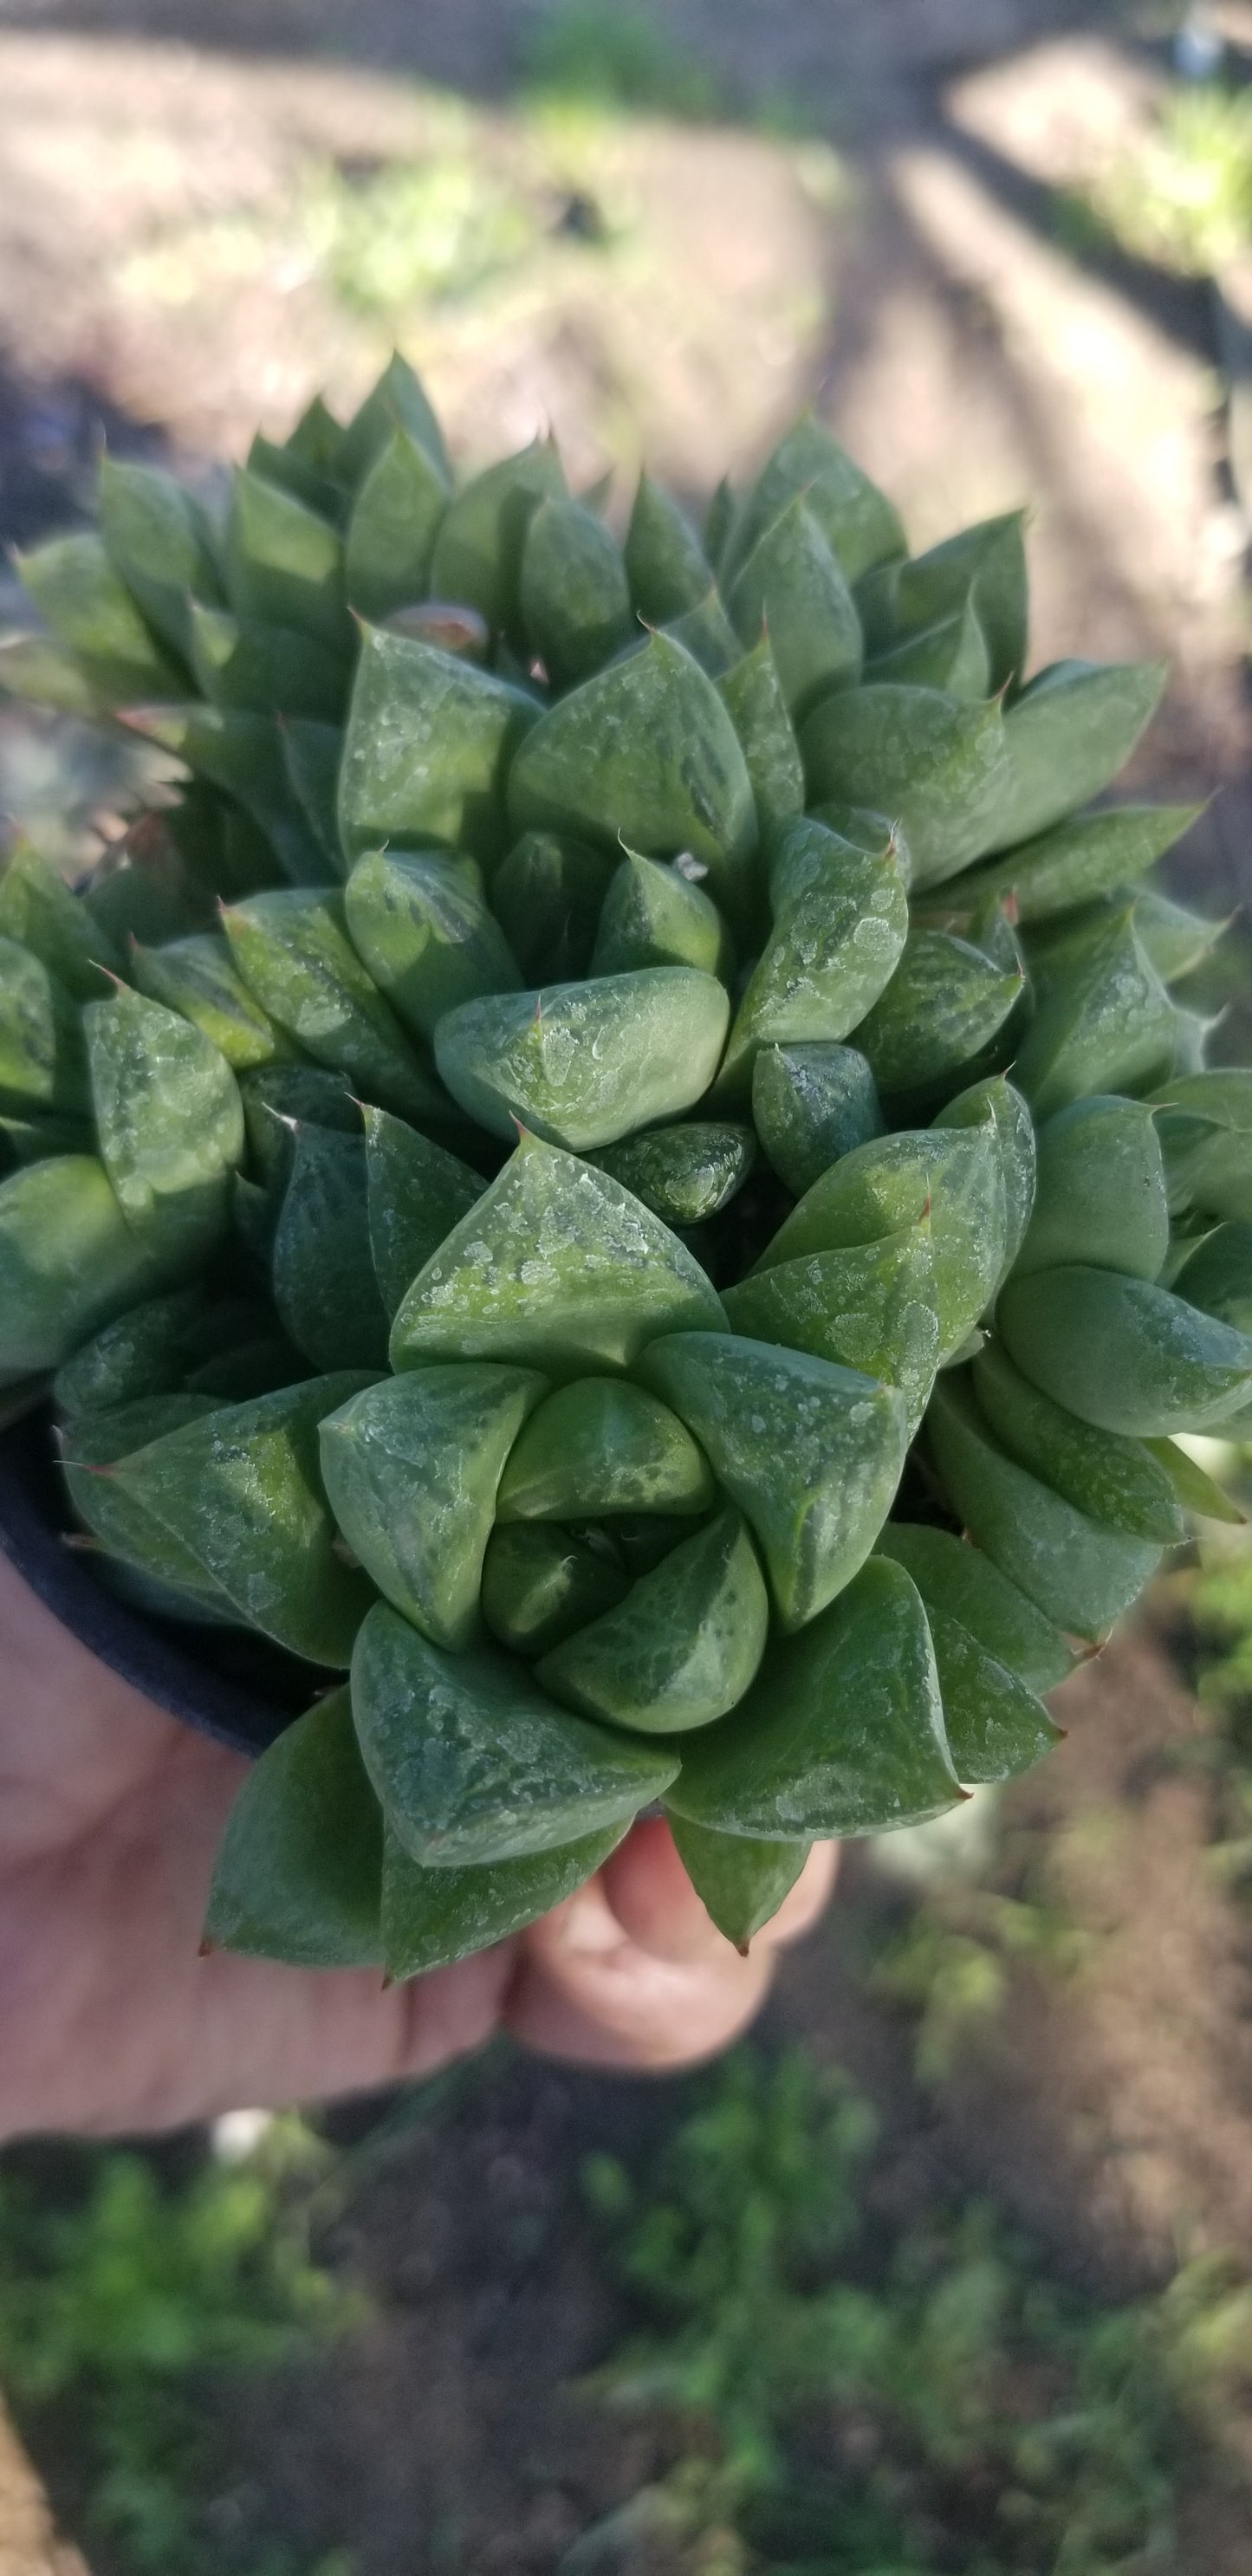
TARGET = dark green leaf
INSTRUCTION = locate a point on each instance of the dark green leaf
(740, 1881)
(582, 1064)
(1100, 1191)
(573, 593)
(1113, 1480)
(325, 1287)
(757, 708)
(432, 1917)
(417, 1194)
(602, 1446)
(393, 527)
(683, 1647)
(958, 1582)
(299, 1872)
(685, 1174)
(810, 1105)
(655, 916)
(422, 928)
(1123, 1353)
(292, 951)
(429, 742)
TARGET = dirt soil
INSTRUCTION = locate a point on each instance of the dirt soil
(160, 274)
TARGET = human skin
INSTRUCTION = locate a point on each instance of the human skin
(111, 2021)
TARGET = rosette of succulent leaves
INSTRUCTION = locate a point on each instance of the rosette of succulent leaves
(618, 1172)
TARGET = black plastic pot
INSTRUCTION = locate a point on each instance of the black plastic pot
(235, 1687)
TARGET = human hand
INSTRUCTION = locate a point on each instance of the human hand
(110, 1814)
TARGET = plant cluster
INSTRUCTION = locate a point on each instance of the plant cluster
(519, 1190)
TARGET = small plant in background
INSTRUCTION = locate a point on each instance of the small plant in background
(125, 2307)
(850, 2396)
(1183, 196)
(618, 60)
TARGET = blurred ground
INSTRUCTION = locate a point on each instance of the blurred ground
(206, 213)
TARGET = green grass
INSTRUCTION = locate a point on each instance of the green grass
(618, 59)
(1182, 197)
(850, 2395)
(125, 2302)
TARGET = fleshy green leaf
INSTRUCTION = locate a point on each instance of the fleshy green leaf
(266, 670)
(1108, 1025)
(646, 753)
(284, 563)
(393, 527)
(842, 1734)
(299, 1873)
(547, 896)
(432, 1917)
(398, 399)
(685, 1174)
(995, 1102)
(573, 593)
(666, 565)
(740, 1881)
(557, 1267)
(1081, 1577)
(38, 912)
(885, 1185)
(1206, 1138)
(582, 1064)
(951, 655)
(242, 1490)
(411, 1467)
(811, 1104)
(944, 1004)
(811, 1452)
(195, 977)
(871, 1306)
(601, 1445)
(1067, 735)
(683, 1647)
(1123, 1353)
(325, 1287)
(427, 752)
(995, 1726)
(42, 1069)
(159, 539)
(474, 1764)
(93, 615)
(1100, 1191)
(69, 1261)
(1085, 856)
(936, 764)
(982, 569)
(654, 916)
(791, 588)
(541, 1583)
(840, 926)
(293, 952)
(417, 1194)
(958, 1582)
(857, 520)
(757, 708)
(425, 933)
(478, 551)
(1112, 1479)
(168, 1115)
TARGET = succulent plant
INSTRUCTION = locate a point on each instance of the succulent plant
(619, 1165)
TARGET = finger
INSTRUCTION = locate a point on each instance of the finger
(585, 1991)
(654, 1901)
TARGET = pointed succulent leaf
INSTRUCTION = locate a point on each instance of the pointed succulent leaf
(144, 1353)
(242, 1490)
(284, 563)
(883, 1186)
(705, 632)
(1174, 939)
(951, 655)
(1106, 1026)
(168, 1115)
(685, 1174)
(654, 916)
(399, 399)
(870, 1307)
(417, 1193)
(959, 1583)
(716, 524)
(1193, 1487)
(411, 1468)
(740, 1880)
(1217, 1276)
(841, 924)
(425, 933)
(242, 754)
(31, 1139)
(944, 1004)
(573, 593)
(1100, 1191)
(547, 896)
(937, 764)
(293, 953)
(1067, 735)
(557, 1267)
(69, 1261)
(311, 755)
(1014, 1130)
(842, 1734)
(982, 567)
(297, 474)
(299, 1873)
(433, 1917)
(791, 588)
(754, 700)
(581, 1064)
(129, 1533)
(603, 1446)
(391, 533)
(276, 1098)
(322, 1262)
(666, 565)
(478, 551)
(264, 669)
(1085, 856)
(428, 747)
(474, 1764)
(996, 1727)
(1112, 1479)
(38, 912)
(857, 520)
(541, 1582)
(1080, 1576)
(646, 752)
(683, 1647)
(810, 1104)
(1123, 1353)
(811, 1452)
(42, 1066)
(91, 613)
(1205, 1127)
(159, 539)
(195, 977)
